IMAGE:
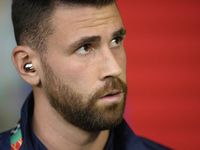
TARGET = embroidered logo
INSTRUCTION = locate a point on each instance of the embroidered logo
(16, 138)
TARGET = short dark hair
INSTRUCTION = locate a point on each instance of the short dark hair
(32, 19)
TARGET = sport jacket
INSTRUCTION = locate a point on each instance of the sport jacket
(22, 136)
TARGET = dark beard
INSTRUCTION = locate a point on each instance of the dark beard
(82, 112)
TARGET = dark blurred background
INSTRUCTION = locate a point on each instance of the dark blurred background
(163, 71)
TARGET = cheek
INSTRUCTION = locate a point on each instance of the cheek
(124, 61)
(121, 59)
(79, 77)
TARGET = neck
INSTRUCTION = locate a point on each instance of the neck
(56, 133)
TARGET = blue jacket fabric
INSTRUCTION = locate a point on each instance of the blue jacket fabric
(120, 138)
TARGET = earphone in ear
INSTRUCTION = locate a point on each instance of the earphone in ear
(29, 67)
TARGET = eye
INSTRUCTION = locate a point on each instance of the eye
(115, 42)
(83, 50)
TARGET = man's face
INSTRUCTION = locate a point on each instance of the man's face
(85, 67)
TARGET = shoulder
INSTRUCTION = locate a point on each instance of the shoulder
(126, 139)
(5, 140)
(152, 145)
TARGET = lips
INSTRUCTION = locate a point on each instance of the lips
(113, 96)
(112, 93)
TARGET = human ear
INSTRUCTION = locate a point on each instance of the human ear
(22, 56)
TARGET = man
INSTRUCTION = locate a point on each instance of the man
(72, 54)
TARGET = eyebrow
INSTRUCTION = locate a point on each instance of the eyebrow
(87, 39)
(120, 32)
(84, 40)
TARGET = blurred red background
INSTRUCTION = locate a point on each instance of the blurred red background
(163, 70)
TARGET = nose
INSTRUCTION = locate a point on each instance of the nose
(110, 65)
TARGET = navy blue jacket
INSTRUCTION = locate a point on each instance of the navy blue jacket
(120, 138)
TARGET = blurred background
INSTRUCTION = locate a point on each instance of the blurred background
(13, 90)
(163, 71)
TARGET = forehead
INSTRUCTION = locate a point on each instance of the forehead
(71, 22)
(90, 14)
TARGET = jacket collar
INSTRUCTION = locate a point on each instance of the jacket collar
(30, 141)
(121, 137)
